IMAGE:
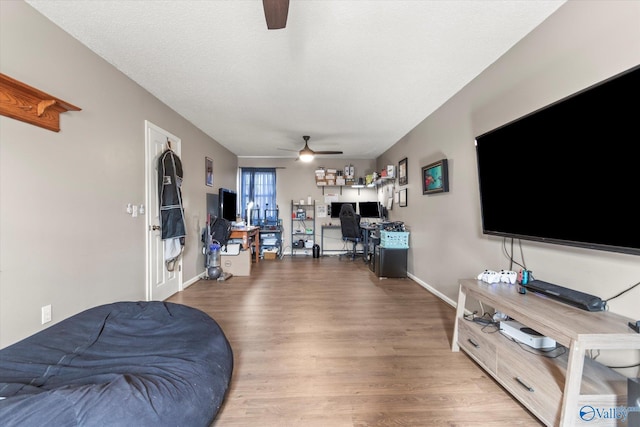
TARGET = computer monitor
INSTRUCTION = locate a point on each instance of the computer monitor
(336, 206)
(228, 201)
(370, 209)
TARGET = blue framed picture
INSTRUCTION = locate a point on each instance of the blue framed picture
(435, 177)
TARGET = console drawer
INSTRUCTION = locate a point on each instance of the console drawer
(472, 341)
(539, 386)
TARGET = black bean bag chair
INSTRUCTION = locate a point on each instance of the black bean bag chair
(122, 364)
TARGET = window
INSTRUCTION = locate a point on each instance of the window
(257, 185)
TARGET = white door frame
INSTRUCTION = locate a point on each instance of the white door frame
(156, 274)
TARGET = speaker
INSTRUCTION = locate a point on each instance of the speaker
(633, 401)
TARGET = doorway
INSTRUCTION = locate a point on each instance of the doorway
(160, 283)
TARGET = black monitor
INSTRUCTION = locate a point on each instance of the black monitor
(336, 206)
(228, 200)
(213, 204)
(370, 209)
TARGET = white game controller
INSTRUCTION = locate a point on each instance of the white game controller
(507, 276)
(504, 276)
(489, 276)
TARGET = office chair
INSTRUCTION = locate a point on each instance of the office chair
(350, 226)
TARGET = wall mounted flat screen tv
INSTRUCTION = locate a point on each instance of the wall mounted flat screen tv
(568, 173)
(228, 200)
(336, 206)
(370, 209)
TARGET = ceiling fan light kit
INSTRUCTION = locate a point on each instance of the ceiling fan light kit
(306, 157)
(307, 154)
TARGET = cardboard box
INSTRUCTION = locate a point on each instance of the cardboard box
(238, 265)
(390, 171)
(270, 254)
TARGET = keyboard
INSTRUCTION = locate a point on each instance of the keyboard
(568, 296)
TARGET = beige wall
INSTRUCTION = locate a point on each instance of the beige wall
(581, 44)
(65, 238)
(295, 180)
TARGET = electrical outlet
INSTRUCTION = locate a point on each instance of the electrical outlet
(46, 314)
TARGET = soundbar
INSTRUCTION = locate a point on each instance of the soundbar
(568, 296)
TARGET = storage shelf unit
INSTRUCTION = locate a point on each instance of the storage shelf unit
(553, 389)
(271, 238)
(384, 180)
(271, 232)
(303, 227)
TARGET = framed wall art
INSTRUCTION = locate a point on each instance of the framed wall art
(402, 202)
(435, 177)
(402, 172)
(208, 171)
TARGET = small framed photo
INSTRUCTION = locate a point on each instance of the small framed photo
(208, 170)
(402, 172)
(402, 202)
(435, 177)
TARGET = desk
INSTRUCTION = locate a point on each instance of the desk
(247, 234)
(365, 230)
(328, 227)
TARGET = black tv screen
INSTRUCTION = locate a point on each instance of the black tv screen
(567, 173)
(336, 206)
(228, 201)
(369, 209)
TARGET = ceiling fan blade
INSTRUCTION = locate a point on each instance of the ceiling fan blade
(287, 149)
(275, 12)
(328, 152)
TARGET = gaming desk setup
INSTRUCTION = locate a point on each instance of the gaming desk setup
(384, 258)
(372, 220)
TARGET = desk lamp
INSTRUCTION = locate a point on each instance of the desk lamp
(249, 207)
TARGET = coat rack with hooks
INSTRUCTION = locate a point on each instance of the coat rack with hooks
(28, 104)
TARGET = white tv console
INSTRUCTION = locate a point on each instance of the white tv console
(553, 389)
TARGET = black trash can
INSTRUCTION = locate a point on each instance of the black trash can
(316, 251)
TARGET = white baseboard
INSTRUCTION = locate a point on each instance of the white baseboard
(190, 282)
(434, 291)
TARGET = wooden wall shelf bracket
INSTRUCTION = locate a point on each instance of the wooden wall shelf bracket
(25, 103)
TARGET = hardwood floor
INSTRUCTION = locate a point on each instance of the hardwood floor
(323, 342)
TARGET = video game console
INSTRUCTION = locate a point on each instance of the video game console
(525, 335)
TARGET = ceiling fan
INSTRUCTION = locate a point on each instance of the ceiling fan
(307, 154)
(275, 12)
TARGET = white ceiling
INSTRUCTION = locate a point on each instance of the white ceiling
(355, 75)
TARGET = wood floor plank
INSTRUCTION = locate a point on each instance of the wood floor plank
(323, 342)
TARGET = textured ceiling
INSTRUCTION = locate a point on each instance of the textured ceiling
(354, 75)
